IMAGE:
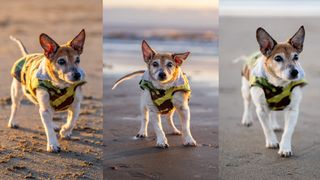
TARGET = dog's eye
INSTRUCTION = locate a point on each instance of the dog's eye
(278, 58)
(295, 57)
(155, 64)
(77, 61)
(169, 65)
(61, 61)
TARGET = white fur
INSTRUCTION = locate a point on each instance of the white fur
(149, 109)
(46, 112)
(267, 117)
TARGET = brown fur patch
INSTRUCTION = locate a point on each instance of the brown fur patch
(246, 72)
(63, 51)
(163, 57)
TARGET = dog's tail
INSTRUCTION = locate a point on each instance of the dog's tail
(127, 77)
(21, 46)
(238, 59)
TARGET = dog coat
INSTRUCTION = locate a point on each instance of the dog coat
(162, 98)
(25, 70)
(277, 98)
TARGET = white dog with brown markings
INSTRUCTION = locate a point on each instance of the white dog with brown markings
(272, 80)
(165, 88)
(53, 81)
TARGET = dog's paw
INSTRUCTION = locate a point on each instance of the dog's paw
(247, 123)
(176, 132)
(65, 134)
(53, 148)
(277, 129)
(285, 152)
(162, 143)
(13, 126)
(246, 120)
(56, 129)
(285, 149)
(141, 135)
(272, 145)
(189, 141)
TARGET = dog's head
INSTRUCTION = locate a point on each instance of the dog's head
(163, 67)
(63, 61)
(282, 59)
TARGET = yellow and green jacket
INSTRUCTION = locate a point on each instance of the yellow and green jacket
(162, 98)
(25, 71)
(278, 98)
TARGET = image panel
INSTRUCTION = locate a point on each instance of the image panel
(268, 90)
(53, 58)
(175, 45)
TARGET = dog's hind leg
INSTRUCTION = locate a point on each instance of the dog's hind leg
(247, 118)
(143, 132)
(16, 94)
(274, 123)
(174, 130)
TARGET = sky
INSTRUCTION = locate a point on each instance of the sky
(142, 15)
(270, 7)
(162, 4)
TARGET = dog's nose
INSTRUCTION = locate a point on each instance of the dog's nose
(294, 73)
(76, 75)
(162, 75)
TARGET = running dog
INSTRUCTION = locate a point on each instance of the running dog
(272, 80)
(53, 81)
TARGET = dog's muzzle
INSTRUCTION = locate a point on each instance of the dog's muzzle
(294, 73)
(162, 76)
(76, 76)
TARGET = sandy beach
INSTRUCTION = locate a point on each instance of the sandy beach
(23, 151)
(242, 152)
(126, 157)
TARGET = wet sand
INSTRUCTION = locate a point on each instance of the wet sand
(242, 152)
(128, 158)
(23, 151)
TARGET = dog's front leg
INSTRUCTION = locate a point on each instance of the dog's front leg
(180, 102)
(73, 115)
(162, 141)
(143, 132)
(291, 117)
(263, 113)
(46, 114)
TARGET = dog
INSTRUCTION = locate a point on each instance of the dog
(272, 80)
(53, 81)
(165, 89)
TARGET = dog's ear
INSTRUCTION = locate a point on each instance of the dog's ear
(78, 42)
(266, 42)
(147, 51)
(179, 58)
(49, 46)
(297, 39)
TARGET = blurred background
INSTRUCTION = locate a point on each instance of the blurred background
(175, 26)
